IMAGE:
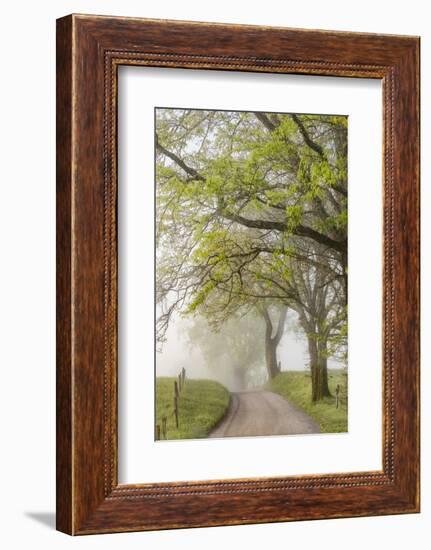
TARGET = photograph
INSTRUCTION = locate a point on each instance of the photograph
(251, 273)
(213, 321)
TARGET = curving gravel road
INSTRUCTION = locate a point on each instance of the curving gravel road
(261, 412)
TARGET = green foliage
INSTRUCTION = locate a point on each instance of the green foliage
(249, 170)
(202, 404)
(294, 216)
(296, 387)
(234, 169)
(200, 296)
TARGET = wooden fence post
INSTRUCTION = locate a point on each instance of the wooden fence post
(158, 431)
(176, 392)
(183, 374)
(164, 420)
(179, 382)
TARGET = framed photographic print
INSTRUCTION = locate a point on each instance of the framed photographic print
(237, 274)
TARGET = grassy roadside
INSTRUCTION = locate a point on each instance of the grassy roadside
(202, 404)
(296, 387)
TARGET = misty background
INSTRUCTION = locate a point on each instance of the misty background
(179, 351)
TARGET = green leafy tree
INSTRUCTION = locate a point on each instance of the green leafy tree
(242, 199)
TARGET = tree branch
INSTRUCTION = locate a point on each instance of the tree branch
(300, 230)
(306, 136)
(264, 119)
(187, 169)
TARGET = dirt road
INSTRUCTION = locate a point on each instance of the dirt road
(261, 412)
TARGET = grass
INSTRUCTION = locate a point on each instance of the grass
(296, 387)
(202, 403)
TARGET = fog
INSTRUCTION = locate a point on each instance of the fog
(179, 351)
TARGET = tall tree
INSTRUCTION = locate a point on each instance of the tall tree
(321, 312)
(244, 200)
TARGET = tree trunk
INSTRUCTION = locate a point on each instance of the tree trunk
(319, 368)
(271, 342)
(271, 357)
(323, 367)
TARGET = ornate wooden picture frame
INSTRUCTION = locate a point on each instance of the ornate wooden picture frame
(89, 51)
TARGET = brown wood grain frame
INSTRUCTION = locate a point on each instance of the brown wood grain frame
(89, 51)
